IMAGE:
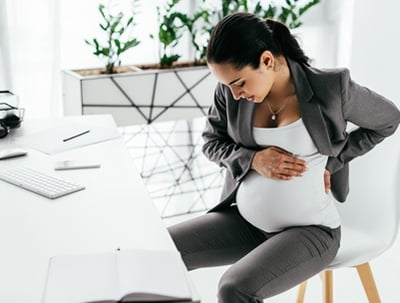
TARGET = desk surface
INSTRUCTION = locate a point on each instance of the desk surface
(114, 211)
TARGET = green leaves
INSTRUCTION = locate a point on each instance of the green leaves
(117, 39)
(307, 6)
(291, 13)
(167, 61)
(170, 31)
(174, 24)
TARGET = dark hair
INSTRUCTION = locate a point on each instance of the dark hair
(241, 38)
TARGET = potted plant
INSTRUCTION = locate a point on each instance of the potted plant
(169, 90)
(114, 46)
(154, 93)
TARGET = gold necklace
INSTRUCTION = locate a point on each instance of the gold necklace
(274, 114)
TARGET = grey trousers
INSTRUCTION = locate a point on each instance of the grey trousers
(263, 264)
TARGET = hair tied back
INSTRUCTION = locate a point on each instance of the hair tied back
(271, 24)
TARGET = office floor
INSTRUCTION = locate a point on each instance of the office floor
(168, 155)
(183, 184)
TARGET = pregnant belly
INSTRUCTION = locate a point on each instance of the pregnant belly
(273, 205)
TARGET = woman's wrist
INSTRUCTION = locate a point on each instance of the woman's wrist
(254, 160)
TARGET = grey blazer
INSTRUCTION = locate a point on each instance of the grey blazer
(328, 99)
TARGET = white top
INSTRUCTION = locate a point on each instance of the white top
(273, 205)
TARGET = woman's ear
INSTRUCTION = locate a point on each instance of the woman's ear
(267, 59)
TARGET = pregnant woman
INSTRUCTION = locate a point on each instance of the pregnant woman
(278, 126)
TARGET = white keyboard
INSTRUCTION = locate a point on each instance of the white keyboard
(38, 182)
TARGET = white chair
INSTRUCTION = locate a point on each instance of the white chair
(370, 217)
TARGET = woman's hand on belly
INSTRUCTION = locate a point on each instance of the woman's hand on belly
(276, 163)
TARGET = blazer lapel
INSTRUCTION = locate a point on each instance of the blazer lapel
(246, 127)
(310, 110)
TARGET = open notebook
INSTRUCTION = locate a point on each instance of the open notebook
(123, 276)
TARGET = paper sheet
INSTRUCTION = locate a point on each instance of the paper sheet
(55, 140)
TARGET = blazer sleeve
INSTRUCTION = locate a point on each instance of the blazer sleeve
(375, 117)
(218, 145)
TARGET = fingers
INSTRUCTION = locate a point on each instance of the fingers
(280, 150)
(327, 180)
(286, 167)
(277, 163)
(288, 156)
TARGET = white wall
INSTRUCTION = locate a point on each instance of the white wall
(374, 59)
(319, 32)
(376, 46)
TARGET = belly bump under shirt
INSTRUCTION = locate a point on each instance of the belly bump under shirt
(273, 205)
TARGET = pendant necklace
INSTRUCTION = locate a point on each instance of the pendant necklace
(274, 114)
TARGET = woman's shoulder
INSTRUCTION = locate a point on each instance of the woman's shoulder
(320, 80)
(327, 79)
(326, 73)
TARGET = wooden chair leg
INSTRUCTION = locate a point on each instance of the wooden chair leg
(367, 280)
(301, 292)
(327, 286)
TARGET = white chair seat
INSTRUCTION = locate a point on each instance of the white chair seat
(356, 248)
(370, 218)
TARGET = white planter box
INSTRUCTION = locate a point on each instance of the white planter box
(141, 97)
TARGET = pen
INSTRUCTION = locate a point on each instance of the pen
(77, 135)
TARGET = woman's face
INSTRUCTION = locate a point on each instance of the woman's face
(248, 83)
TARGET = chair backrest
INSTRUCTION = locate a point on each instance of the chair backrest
(373, 205)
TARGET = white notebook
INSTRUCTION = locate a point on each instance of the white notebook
(124, 276)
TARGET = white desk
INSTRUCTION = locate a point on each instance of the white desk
(114, 211)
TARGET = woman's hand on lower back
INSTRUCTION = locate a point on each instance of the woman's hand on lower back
(327, 180)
